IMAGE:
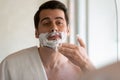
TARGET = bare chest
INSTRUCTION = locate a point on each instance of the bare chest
(64, 74)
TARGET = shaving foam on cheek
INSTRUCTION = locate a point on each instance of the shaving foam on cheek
(51, 43)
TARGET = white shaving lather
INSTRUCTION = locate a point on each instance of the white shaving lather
(51, 43)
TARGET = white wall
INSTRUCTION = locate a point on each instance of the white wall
(118, 6)
(16, 25)
(102, 32)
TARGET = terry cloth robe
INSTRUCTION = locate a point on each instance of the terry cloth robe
(23, 65)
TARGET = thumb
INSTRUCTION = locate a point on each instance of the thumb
(82, 44)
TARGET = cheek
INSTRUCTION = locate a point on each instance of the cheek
(42, 30)
(61, 28)
(64, 29)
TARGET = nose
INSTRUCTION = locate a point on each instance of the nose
(54, 28)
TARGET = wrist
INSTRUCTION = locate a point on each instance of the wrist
(86, 66)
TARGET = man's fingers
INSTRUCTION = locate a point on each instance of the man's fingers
(71, 46)
(82, 44)
(65, 50)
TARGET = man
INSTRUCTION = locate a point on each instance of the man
(53, 60)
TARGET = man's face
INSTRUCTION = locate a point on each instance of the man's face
(52, 29)
(52, 19)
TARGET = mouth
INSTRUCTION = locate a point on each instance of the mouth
(54, 36)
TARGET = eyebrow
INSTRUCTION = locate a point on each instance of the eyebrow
(59, 18)
(47, 18)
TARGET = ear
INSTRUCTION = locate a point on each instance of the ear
(36, 33)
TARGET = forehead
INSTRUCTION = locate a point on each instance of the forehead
(51, 13)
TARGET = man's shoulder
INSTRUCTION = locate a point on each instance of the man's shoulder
(22, 54)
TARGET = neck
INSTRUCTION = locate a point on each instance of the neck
(50, 57)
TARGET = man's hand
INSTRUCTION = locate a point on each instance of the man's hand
(77, 55)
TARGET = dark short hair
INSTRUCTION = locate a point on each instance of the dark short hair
(52, 4)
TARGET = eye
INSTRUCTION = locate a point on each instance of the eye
(59, 23)
(46, 23)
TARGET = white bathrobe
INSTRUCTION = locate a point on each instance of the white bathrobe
(23, 65)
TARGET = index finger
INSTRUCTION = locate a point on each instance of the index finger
(72, 46)
(82, 44)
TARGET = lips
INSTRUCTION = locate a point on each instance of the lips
(54, 36)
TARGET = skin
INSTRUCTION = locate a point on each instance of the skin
(70, 60)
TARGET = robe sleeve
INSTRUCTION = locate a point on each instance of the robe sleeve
(4, 73)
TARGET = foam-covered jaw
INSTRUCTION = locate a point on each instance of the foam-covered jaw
(43, 38)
